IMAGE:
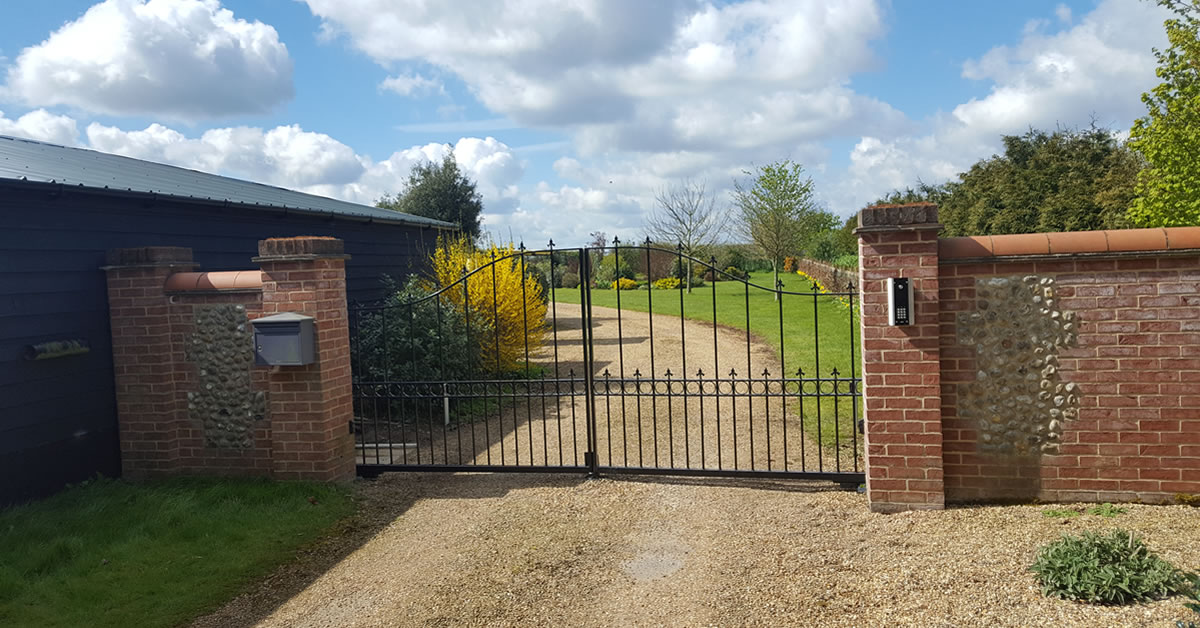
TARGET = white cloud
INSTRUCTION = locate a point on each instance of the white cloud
(43, 126)
(180, 59)
(411, 84)
(291, 157)
(1096, 69)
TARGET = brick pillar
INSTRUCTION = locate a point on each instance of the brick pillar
(901, 363)
(310, 406)
(145, 357)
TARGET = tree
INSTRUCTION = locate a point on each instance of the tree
(778, 213)
(439, 191)
(1068, 180)
(687, 215)
(1168, 189)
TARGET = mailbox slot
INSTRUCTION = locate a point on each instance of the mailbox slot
(285, 339)
(900, 301)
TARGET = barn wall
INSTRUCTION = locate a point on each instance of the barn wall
(57, 416)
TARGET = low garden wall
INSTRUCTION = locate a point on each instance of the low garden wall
(1057, 367)
(190, 399)
(834, 279)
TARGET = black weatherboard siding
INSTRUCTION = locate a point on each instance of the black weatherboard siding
(58, 416)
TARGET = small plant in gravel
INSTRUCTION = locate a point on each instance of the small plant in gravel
(1112, 568)
(1061, 513)
(1107, 511)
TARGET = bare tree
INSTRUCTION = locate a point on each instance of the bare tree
(687, 215)
(778, 212)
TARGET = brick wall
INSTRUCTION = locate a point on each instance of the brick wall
(1068, 365)
(900, 364)
(190, 400)
(1136, 364)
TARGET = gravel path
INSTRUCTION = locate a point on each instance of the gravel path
(643, 427)
(537, 550)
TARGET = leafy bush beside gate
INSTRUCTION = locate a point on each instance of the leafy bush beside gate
(412, 337)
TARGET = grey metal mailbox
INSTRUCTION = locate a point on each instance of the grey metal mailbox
(284, 340)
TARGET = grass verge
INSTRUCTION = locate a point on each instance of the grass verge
(114, 553)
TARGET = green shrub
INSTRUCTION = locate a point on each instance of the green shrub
(735, 272)
(569, 280)
(609, 270)
(1113, 568)
(667, 283)
(1192, 592)
(848, 261)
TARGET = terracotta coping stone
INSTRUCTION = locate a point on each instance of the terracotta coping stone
(239, 280)
(1073, 242)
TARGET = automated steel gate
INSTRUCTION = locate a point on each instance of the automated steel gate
(538, 361)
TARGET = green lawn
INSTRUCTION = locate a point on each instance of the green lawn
(113, 553)
(815, 339)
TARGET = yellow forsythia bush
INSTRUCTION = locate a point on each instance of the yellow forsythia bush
(517, 316)
(667, 283)
(624, 284)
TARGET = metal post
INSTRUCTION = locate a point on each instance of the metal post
(585, 276)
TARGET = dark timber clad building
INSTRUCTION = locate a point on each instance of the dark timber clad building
(60, 210)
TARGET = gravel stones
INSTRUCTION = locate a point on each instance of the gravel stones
(1018, 398)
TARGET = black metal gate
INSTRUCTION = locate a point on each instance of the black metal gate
(623, 373)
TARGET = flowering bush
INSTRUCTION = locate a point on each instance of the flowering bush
(789, 264)
(512, 304)
(667, 283)
(624, 284)
(821, 288)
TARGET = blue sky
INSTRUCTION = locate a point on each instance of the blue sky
(569, 115)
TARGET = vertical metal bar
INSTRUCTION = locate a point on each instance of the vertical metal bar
(817, 359)
(653, 373)
(574, 423)
(499, 386)
(437, 304)
(387, 377)
(608, 413)
(637, 374)
(733, 412)
(557, 376)
(854, 387)
(470, 342)
(670, 425)
(700, 390)
(783, 414)
(687, 445)
(528, 378)
(749, 375)
(712, 265)
(590, 456)
(766, 377)
(356, 379)
(837, 442)
(412, 363)
(803, 447)
(620, 356)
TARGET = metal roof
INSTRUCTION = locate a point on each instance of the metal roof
(29, 160)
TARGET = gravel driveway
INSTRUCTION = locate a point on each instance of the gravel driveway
(539, 550)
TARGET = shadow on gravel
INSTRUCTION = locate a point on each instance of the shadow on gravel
(379, 502)
(762, 484)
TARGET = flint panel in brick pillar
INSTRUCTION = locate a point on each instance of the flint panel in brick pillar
(901, 375)
(151, 423)
(310, 406)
